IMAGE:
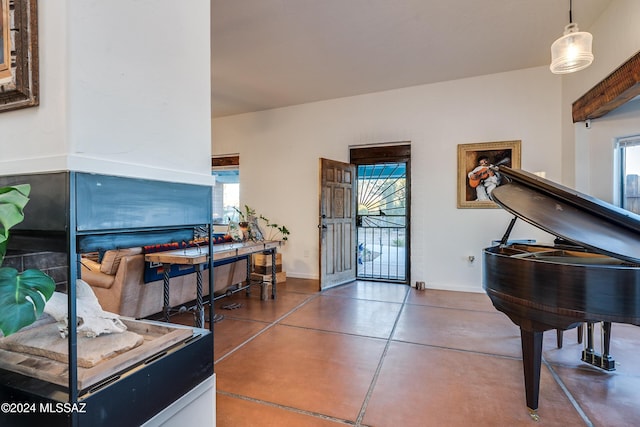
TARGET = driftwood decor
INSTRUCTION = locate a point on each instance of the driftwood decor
(620, 86)
(19, 85)
(477, 174)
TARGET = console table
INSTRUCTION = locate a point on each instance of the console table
(199, 257)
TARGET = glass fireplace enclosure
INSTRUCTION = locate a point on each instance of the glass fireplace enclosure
(73, 213)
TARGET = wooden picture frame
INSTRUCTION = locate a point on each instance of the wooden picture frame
(19, 83)
(5, 52)
(472, 193)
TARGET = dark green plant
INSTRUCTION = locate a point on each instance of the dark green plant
(22, 295)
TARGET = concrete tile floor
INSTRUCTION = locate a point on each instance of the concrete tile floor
(379, 354)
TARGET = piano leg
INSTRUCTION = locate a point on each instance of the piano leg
(559, 336)
(580, 332)
(531, 361)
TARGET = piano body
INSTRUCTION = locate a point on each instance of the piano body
(593, 277)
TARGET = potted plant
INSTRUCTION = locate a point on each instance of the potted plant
(22, 295)
(245, 218)
(248, 223)
(247, 215)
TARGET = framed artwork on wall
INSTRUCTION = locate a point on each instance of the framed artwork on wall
(19, 84)
(478, 173)
(5, 52)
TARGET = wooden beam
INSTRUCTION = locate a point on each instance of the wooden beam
(617, 88)
(225, 161)
(391, 153)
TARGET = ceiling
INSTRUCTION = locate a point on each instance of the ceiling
(275, 53)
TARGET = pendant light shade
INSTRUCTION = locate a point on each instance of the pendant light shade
(572, 51)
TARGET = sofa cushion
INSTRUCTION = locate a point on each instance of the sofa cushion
(97, 279)
(111, 259)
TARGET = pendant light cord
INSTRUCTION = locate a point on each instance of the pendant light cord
(570, 9)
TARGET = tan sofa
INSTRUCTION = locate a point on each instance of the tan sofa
(119, 285)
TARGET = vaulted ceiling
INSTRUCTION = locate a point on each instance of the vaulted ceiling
(275, 53)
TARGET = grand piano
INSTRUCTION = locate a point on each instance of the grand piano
(591, 275)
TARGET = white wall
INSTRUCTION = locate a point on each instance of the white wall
(34, 139)
(279, 151)
(588, 153)
(125, 90)
(596, 163)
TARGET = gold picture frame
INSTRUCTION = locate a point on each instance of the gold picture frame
(472, 190)
(19, 84)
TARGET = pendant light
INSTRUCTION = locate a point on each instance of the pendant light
(572, 51)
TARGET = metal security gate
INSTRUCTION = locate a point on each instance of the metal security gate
(382, 222)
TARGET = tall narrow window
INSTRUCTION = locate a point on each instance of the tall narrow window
(226, 190)
(629, 182)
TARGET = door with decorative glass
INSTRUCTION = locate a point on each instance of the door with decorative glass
(382, 221)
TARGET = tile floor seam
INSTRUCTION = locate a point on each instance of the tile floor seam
(374, 380)
(567, 393)
(269, 326)
(457, 308)
(462, 350)
(244, 319)
(350, 334)
(286, 408)
(364, 299)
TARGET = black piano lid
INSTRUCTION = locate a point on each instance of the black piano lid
(569, 214)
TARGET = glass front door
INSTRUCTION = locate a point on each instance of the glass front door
(382, 222)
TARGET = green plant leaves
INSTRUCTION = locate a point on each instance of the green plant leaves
(22, 297)
(12, 202)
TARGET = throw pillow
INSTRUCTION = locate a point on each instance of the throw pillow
(111, 259)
